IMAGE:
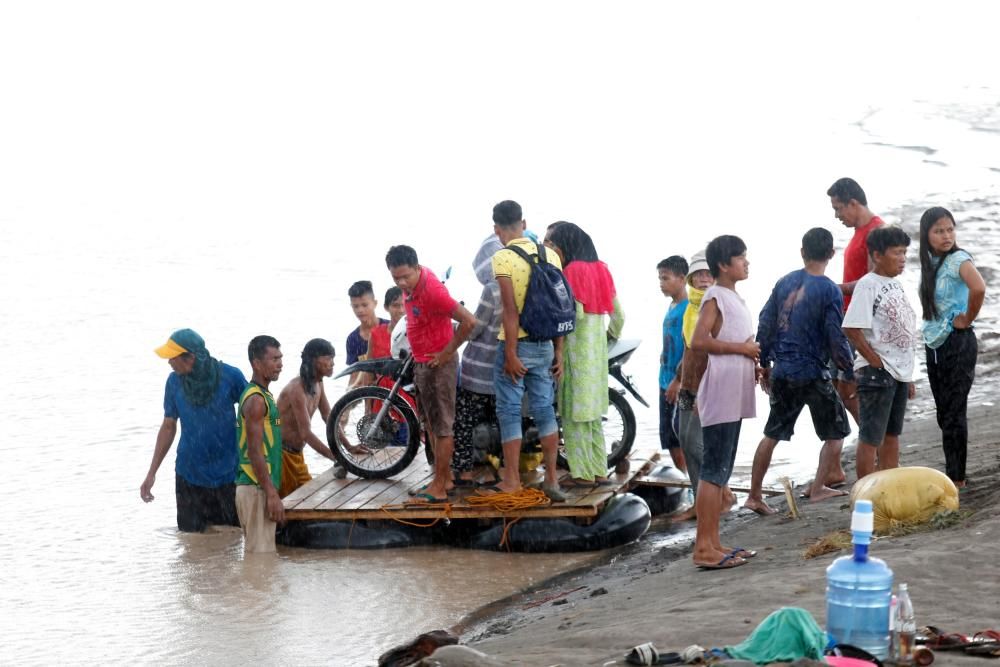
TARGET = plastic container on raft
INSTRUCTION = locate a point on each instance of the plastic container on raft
(859, 592)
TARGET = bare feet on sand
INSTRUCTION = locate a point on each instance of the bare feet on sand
(759, 506)
(687, 515)
(824, 493)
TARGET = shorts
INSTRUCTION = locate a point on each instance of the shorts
(668, 432)
(829, 416)
(882, 402)
(436, 396)
(199, 506)
(719, 442)
(537, 383)
(258, 529)
(294, 471)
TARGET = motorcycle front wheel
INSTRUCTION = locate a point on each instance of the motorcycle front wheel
(379, 452)
(619, 431)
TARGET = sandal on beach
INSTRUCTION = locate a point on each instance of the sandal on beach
(728, 561)
(573, 483)
(646, 654)
(428, 499)
(740, 552)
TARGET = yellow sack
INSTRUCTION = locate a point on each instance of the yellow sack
(905, 495)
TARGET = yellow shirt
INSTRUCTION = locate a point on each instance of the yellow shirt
(510, 265)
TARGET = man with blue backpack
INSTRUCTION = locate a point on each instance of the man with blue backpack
(538, 309)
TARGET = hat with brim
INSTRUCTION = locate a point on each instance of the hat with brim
(170, 349)
(698, 263)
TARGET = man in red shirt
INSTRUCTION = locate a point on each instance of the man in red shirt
(433, 343)
(850, 206)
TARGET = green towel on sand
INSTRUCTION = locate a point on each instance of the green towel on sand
(786, 635)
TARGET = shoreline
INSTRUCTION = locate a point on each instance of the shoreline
(595, 614)
(647, 593)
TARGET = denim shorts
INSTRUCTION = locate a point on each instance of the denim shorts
(668, 423)
(537, 383)
(882, 402)
(719, 443)
(789, 397)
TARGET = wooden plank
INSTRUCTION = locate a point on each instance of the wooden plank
(378, 496)
(457, 512)
(317, 491)
(683, 483)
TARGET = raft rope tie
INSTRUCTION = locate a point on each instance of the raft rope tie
(510, 502)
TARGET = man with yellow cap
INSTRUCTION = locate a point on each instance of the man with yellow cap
(200, 393)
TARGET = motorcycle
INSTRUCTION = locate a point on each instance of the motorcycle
(374, 431)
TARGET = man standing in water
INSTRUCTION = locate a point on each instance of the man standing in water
(850, 206)
(297, 403)
(258, 438)
(200, 393)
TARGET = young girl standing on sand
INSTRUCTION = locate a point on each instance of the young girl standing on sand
(951, 294)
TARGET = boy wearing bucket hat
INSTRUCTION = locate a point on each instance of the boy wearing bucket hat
(200, 393)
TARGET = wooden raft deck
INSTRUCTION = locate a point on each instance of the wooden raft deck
(332, 499)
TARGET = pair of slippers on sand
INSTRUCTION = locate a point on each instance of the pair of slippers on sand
(735, 558)
(984, 643)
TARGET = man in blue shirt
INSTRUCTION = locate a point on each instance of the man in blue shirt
(799, 332)
(200, 392)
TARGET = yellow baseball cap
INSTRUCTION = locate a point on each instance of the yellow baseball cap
(170, 349)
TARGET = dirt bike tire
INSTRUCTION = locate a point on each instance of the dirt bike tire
(348, 460)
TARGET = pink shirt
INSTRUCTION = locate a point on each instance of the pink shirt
(726, 392)
(428, 316)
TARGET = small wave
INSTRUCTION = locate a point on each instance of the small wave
(926, 150)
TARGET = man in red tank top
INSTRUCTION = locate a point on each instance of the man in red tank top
(850, 206)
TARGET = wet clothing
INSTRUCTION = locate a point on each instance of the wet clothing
(668, 416)
(379, 342)
(258, 529)
(787, 399)
(856, 254)
(719, 443)
(726, 392)
(883, 313)
(271, 439)
(294, 471)
(510, 265)
(429, 309)
(951, 297)
(199, 506)
(205, 454)
(799, 328)
(951, 370)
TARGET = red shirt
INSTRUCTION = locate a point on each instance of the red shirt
(379, 343)
(856, 254)
(428, 316)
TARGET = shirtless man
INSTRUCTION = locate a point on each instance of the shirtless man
(297, 403)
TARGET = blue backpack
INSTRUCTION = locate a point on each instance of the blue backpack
(549, 309)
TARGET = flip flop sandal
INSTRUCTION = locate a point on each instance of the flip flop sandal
(740, 552)
(646, 654)
(728, 561)
(427, 499)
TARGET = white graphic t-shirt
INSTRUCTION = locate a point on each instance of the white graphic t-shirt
(879, 308)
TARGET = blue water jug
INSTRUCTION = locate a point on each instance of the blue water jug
(859, 591)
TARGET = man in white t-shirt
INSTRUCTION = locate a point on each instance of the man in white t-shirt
(882, 327)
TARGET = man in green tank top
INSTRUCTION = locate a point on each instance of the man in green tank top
(258, 437)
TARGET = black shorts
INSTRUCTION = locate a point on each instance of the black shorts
(789, 397)
(199, 506)
(882, 403)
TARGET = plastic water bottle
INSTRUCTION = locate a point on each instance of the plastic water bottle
(905, 627)
(858, 591)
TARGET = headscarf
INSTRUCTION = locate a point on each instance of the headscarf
(200, 384)
(695, 296)
(483, 263)
(587, 275)
(317, 347)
